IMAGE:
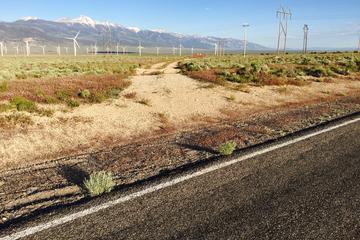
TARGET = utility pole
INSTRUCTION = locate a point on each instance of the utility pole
(245, 26)
(306, 32)
(284, 15)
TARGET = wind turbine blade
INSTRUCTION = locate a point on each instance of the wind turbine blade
(76, 43)
(77, 35)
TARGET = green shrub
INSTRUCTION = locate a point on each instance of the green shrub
(99, 183)
(114, 92)
(227, 148)
(85, 93)
(190, 66)
(72, 103)
(23, 104)
(315, 72)
(63, 95)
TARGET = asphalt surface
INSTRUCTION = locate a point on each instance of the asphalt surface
(308, 190)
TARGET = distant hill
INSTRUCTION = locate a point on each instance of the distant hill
(46, 32)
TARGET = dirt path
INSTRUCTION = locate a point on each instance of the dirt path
(160, 99)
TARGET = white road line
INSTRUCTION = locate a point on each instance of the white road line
(86, 212)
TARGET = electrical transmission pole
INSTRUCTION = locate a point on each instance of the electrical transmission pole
(284, 15)
(306, 33)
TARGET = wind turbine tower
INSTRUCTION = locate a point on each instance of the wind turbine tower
(2, 48)
(58, 50)
(245, 26)
(43, 49)
(216, 49)
(76, 44)
(284, 15)
(117, 49)
(95, 49)
(192, 51)
(180, 49)
(27, 45)
(140, 49)
(157, 51)
(17, 49)
(306, 34)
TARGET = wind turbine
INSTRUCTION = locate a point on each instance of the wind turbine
(174, 50)
(17, 49)
(180, 47)
(43, 49)
(216, 49)
(27, 45)
(2, 48)
(5, 48)
(157, 51)
(245, 26)
(124, 50)
(76, 44)
(95, 49)
(66, 50)
(192, 51)
(58, 50)
(140, 49)
(117, 49)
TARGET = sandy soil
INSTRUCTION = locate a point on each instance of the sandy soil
(180, 100)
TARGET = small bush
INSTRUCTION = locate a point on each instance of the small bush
(114, 92)
(85, 94)
(99, 183)
(315, 72)
(23, 104)
(72, 103)
(227, 148)
(145, 101)
(131, 95)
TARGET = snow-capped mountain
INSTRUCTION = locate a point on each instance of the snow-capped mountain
(105, 32)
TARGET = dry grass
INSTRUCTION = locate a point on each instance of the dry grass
(145, 101)
(15, 119)
(166, 126)
(210, 76)
(57, 89)
(131, 95)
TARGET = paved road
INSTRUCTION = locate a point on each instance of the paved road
(309, 190)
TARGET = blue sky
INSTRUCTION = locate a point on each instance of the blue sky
(333, 23)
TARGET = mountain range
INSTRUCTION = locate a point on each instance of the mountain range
(48, 32)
